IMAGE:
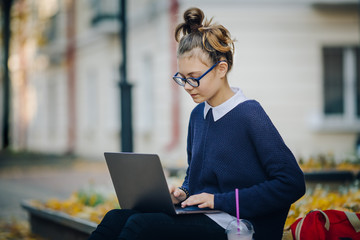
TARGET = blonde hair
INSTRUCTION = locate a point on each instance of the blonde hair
(212, 39)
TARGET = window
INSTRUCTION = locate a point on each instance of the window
(145, 121)
(333, 81)
(341, 88)
(92, 99)
(357, 77)
(104, 10)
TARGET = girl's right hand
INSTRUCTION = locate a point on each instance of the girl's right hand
(177, 195)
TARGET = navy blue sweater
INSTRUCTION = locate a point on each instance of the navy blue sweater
(243, 150)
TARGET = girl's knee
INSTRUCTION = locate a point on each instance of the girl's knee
(115, 214)
(112, 213)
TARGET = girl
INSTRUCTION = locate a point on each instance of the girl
(231, 144)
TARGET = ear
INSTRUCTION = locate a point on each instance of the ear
(222, 69)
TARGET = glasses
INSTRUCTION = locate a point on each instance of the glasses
(195, 82)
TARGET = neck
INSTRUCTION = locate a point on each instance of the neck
(222, 96)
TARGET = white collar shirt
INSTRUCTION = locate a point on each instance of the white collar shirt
(221, 110)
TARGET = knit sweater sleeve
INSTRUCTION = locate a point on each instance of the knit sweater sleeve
(196, 111)
(285, 180)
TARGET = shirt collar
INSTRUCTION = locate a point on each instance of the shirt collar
(224, 108)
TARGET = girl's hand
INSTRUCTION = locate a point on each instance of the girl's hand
(177, 195)
(202, 200)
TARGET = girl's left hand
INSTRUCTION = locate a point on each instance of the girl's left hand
(202, 200)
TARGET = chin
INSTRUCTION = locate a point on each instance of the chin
(198, 100)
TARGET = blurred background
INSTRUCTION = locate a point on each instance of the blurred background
(80, 77)
(62, 90)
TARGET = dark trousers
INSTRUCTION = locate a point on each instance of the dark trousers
(132, 225)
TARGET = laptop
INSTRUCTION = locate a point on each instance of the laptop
(140, 184)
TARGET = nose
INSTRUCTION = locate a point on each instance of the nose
(187, 86)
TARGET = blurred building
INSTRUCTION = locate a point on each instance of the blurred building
(299, 59)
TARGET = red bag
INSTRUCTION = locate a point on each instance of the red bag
(327, 225)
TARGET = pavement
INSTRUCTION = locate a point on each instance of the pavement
(26, 176)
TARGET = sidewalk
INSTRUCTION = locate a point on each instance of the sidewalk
(44, 177)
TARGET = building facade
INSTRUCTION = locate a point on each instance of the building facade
(299, 59)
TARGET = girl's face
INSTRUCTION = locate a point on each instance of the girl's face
(211, 85)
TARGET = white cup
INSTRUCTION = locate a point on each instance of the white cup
(242, 231)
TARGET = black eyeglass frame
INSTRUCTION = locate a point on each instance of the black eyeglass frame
(182, 81)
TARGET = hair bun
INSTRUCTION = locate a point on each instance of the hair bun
(193, 18)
